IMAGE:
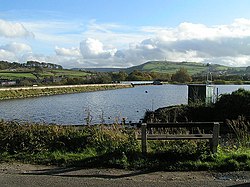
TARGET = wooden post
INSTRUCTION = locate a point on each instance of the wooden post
(215, 139)
(144, 138)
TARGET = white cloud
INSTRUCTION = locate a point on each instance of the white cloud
(14, 51)
(74, 52)
(241, 60)
(91, 44)
(223, 44)
(119, 36)
(65, 61)
(16, 47)
(12, 30)
(91, 47)
(7, 55)
(94, 49)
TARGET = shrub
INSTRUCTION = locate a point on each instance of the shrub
(230, 106)
(36, 138)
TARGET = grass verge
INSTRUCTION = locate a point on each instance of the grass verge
(111, 146)
(25, 93)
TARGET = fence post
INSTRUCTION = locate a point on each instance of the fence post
(215, 139)
(144, 138)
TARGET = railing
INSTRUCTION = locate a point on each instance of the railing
(211, 128)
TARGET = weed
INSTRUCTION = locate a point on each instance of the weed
(241, 129)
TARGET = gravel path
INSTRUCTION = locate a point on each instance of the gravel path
(22, 175)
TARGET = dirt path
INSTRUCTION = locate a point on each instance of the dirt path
(21, 175)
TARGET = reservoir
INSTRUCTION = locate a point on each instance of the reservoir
(108, 106)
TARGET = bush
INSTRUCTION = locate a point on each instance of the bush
(230, 106)
(113, 138)
(39, 138)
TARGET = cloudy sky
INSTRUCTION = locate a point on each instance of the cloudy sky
(123, 33)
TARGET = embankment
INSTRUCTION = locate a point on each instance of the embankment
(25, 92)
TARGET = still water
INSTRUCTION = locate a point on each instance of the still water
(108, 106)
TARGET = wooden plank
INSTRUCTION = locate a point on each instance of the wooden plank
(181, 125)
(176, 136)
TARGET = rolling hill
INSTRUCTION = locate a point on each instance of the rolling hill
(171, 67)
(192, 67)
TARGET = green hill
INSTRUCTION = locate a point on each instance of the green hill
(192, 67)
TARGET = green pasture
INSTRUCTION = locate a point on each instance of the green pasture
(16, 75)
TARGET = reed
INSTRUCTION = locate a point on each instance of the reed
(241, 129)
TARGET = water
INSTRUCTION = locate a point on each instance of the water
(110, 105)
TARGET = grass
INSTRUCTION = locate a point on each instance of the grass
(191, 67)
(16, 75)
(111, 146)
(27, 73)
(241, 129)
(171, 68)
(70, 73)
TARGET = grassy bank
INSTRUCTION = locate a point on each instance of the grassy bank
(111, 146)
(36, 91)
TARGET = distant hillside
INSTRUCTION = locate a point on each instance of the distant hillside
(192, 67)
(172, 67)
(101, 69)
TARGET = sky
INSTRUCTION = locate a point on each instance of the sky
(125, 33)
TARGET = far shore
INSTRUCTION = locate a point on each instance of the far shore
(36, 91)
(61, 86)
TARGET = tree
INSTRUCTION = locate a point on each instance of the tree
(160, 76)
(181, 76)
(120, 76)
(139, 76)
(38, 70)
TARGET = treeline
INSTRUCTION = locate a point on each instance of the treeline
(180, 76)
(4, 65)
(223, 79)
(41, 75)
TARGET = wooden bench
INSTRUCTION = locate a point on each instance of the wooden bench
(211, 128)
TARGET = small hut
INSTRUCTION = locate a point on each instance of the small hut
(204, 93)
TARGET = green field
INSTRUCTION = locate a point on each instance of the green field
(46, 73)
(16, 75)
(70, 73)
(171, 68)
